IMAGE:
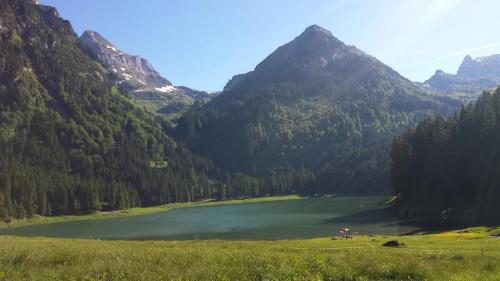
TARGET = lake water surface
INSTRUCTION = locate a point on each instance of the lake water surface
(294, 219)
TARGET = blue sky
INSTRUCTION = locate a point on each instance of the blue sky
(203, 43)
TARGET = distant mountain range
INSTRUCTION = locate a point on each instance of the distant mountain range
(316, 110)
(473, 76)
(137, 76)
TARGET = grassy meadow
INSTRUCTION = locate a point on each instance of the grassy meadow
(459, 255)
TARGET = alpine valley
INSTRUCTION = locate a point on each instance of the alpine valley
(321, 163)
(315, 117)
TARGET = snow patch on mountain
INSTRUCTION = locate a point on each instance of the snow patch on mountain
(167, 89)
(112, 48)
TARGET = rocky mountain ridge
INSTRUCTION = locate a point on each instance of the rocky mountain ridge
(134, 73)
(473, 76)
(137, 76)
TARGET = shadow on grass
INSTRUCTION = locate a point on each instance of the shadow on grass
(387, 219)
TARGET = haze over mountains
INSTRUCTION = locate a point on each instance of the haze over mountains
(137, 76)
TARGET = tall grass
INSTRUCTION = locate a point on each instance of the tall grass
(428, 257)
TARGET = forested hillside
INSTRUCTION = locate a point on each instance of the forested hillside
(448, 169)
(70, 142)
(316, 116)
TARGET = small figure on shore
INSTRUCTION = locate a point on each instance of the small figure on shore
(345, 233)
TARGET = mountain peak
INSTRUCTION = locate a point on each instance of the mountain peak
(137, 75)
(93, 36)
(296, 105)
(314, 34)
(134, 72)
(314, 51)
(441, 72)
(487, 66)
(91, 33)
(316, 29)
(473, 75)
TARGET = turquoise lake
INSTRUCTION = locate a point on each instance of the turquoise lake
(294, 219)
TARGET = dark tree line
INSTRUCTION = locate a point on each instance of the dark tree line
(448, 169)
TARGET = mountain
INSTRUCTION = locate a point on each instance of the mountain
(488, 66)
(316, 116)
(70, 142)
(137, 76)
(473, 76)
(134, 72)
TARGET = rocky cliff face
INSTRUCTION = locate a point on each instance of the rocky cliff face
(136, 75)
(488, 66)
(473, 75)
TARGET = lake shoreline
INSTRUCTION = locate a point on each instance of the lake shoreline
(272, 218)
(140, 211)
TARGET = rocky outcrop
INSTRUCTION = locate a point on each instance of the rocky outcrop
(473, 75)
(481, 67)
(137, 76)
(134, 73)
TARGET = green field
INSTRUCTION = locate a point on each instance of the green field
(140, 211)
(448, 256)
